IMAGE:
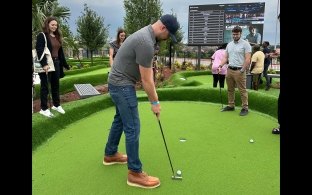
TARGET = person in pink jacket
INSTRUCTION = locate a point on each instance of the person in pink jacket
(216, 60)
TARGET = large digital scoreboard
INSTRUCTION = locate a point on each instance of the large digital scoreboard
(212, 24)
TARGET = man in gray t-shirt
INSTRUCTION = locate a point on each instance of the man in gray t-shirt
(137, 50)
(133, 63)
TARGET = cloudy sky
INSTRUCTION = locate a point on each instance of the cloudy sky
(113, 13)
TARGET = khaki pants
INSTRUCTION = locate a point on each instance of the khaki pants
(255, 81)
(234, 78)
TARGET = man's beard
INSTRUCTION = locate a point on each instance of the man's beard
(236, 39)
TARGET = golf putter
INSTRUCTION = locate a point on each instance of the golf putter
(220, 91)
(177, 176)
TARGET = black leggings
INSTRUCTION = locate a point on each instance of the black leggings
(220, 78)
(54, 80)
(265, 74)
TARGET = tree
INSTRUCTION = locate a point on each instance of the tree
(69, 41)
(140, 13)
(91, 30)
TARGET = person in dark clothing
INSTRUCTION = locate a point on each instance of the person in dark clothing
(54, 43)
(277, 130)
(267, 62)
(114, 45)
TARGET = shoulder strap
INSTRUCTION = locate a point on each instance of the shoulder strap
(45, 39)
(45, 45)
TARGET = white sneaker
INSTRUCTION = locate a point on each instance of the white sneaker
(46, 113)
(59, 109)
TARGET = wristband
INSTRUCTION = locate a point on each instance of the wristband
(155, 102)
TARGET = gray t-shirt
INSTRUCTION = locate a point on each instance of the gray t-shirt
(138, 49)
(236, 52)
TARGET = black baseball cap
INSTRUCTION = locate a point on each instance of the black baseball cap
(171, 24)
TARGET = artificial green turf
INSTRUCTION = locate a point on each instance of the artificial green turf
(90, 73)
(216, 157)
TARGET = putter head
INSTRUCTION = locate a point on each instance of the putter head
(176, 177)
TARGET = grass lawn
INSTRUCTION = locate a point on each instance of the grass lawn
(216, 158)
(94, 72)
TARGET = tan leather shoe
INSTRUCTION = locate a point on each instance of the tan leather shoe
(142, 180)
(117, 158)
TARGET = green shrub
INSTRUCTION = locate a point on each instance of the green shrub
(187, 66)
(74, 67)
(203, 67)
(67, 84)
(43, 128)
(96, 61)
(175, 89)
(86, 66)
(83, 70)
(177, 64)
(272, 71)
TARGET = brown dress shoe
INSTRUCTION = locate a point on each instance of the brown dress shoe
(142, 180)
(117, 158)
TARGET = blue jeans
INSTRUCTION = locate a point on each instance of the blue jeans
(126, 119)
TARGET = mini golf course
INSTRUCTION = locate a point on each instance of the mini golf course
(210, 147)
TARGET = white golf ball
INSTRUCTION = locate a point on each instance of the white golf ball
(251, 141)
(179, 172)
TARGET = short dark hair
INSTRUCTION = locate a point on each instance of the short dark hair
(266, 42)
(256, 47)
(223, 46)
(237, 29)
